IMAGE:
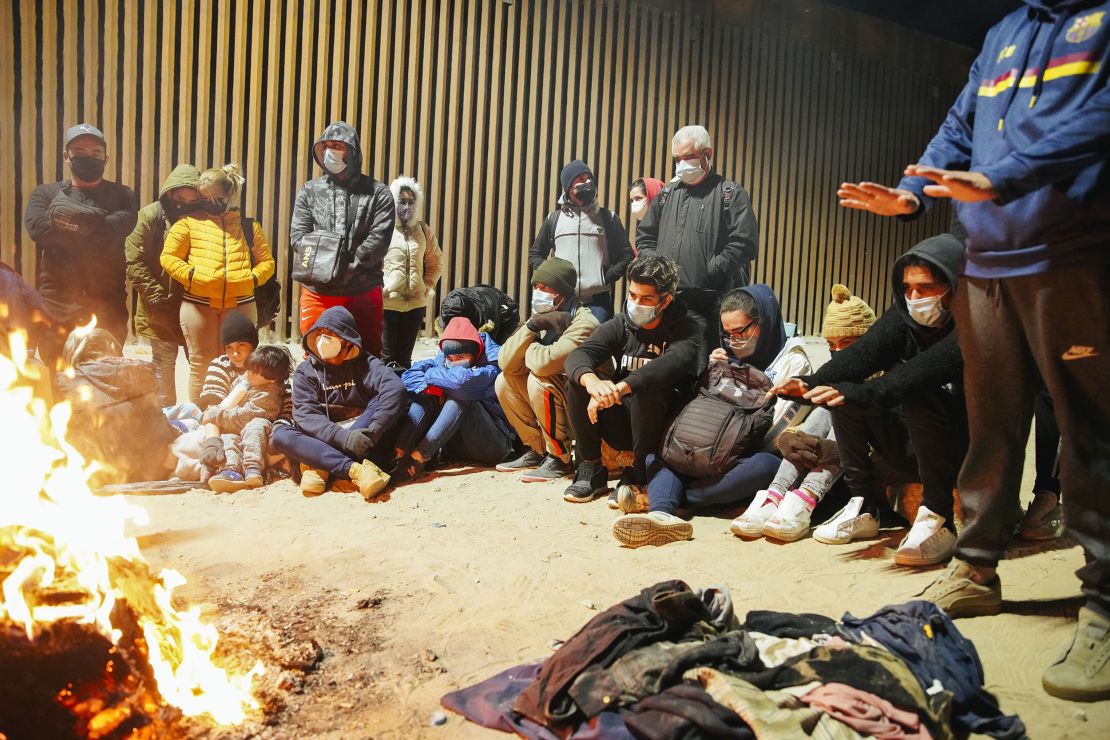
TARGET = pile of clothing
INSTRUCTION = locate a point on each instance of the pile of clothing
(673, 662)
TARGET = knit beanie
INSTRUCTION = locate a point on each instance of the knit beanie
(847, 315)
(557, 273)
(238, 328)
(458, 347)
(571, 171)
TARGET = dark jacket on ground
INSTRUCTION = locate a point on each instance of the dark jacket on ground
(474, 383)
(576, 240)
(22, 309)
(325, 394)
(714, 246)
(81, 266)
(912, 357)
(157, 313)
(668, 356)
(1043, 144)
(350, 203)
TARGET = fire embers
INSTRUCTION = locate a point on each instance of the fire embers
(89, 636)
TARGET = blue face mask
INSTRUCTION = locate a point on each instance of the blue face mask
(458, 363)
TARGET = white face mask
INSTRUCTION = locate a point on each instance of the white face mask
(742, 348)
(640, 315)
(638, 207)
(333, 161)
(328, 346)
(542, 302)
(689, 173)
(928, 311)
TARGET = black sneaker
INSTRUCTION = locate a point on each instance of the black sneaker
(552, 469)
(530, 459)
(591, 480)
(407, 468)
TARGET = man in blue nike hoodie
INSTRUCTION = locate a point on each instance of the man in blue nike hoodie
(345, 406)
(1024, 152)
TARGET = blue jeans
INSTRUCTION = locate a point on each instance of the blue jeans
(668, 491)
(600, 305)
(430, 428)
(319, 454)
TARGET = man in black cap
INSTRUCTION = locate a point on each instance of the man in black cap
(588, 236)
(79, 226)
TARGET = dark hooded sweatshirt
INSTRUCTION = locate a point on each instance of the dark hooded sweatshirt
(913, 358)
(649, 360)
(325, 394)
(772, 332)
(159, 294)
(467, 384)
(1043, 143)
(351, 204)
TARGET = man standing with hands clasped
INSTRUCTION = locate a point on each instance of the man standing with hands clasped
(1023, 152)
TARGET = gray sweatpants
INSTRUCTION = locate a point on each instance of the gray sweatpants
(247, 450)
(1015, 335)
(789, 477)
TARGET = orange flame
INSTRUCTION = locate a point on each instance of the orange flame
(65, 537)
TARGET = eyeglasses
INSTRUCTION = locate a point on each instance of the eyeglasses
(739, 333)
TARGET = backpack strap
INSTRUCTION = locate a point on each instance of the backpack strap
(728, 189)
(664, 193)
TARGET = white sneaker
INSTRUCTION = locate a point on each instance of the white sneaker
(655, 528)
(750, 523)
(848, 525)
(928, 542)
(790, 522)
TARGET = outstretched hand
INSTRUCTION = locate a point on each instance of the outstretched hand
(879, 199)
(969, 187)
(791, 388)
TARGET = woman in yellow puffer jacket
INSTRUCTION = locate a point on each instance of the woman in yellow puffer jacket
(208, 254)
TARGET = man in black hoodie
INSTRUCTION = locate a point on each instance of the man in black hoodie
(656, 345)
(345, 405)
(912, 414)
(345, 205)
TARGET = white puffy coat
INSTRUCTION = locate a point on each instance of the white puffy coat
(412, 264)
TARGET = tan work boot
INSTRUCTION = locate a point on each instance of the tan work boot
(369, 478)
(957, 594)
(313, 480)
(632, 499)
(1083, 672)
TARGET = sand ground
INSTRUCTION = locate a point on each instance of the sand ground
(445, 582)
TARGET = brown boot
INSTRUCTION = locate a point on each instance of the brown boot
(313, 480)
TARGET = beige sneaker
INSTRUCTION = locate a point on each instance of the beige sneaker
(656, 528)
(369, 478)
(1083, 672)
(957, 594)
(632, 499)
(313, 480)
(928, 542)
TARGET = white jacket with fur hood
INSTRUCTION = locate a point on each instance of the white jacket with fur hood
(412, 264)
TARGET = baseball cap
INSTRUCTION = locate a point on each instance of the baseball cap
(84, 129)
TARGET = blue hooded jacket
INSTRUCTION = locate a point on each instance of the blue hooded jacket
(324, 394)
(474, 383)
(1043, 142)
(772, 332)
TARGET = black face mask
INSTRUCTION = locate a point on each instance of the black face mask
(586, 192)
(87, 169)
(175, 210)
(216, 208)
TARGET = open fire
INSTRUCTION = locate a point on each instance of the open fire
(66, 562)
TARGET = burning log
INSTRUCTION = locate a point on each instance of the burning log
(71, 682)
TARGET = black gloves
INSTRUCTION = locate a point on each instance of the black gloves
(556, 321)
(358, 443)
(806, 451)
(212, 453)
(74, 216)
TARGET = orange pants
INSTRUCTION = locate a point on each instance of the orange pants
(365, 307)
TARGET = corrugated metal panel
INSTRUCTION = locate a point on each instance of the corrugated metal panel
(483, 102)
